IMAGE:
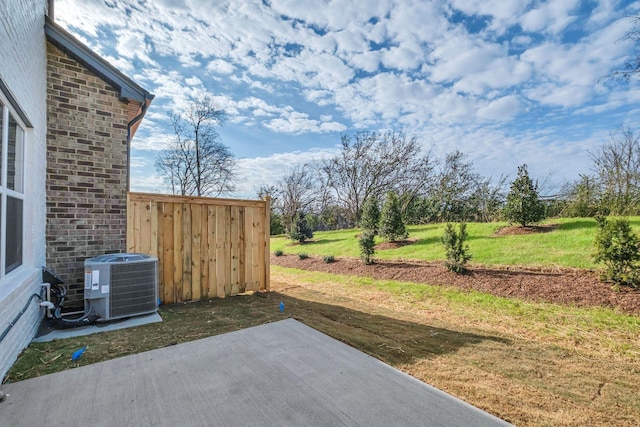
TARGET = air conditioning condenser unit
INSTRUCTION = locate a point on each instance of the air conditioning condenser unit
(121, 285)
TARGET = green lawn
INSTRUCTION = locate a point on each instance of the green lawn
(571, 245)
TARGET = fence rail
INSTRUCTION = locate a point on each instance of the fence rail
(206, 247)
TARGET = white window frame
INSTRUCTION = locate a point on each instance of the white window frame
(7, 110)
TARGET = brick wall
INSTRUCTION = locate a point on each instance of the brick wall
(86, 170)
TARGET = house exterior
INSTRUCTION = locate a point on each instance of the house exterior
(93, 111)
(67, 121)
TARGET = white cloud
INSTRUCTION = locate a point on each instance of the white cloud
(258, 171)
(570, 73)
(463, 55)
(503, 13)
(602, 13)
(501, 109)
(336, 15)
(569, 95)
(87, 15)
(551, 17)
(193, 81)
(406, 57)
(299, 123)
(133, 45)
(174, 4)
(123, 64)
(521, 41)
(149, 184)
(220, 66)
(350, 41)
(151, 141)
(417, 21)
(500, 73)
(366, 61)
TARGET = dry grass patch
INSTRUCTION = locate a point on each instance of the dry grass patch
(553, 368)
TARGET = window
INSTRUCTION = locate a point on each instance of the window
(11, 190)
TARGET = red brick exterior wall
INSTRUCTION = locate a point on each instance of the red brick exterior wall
(86, 170)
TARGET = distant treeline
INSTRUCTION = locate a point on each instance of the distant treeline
(331, 193)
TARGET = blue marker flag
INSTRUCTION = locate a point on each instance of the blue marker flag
(281, 306)
(76, 354)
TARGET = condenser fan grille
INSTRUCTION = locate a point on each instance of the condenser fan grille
(133, 289)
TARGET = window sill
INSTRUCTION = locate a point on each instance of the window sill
(17, 279)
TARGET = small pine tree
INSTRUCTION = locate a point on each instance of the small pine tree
(328, 259)
(457, 251)
(370, 219)
(391, 223)
(276, 225)
(367, 246)
(300, 230)
(619, 249)
(523, 203)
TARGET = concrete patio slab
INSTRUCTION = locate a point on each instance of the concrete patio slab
(278, 374)
(48, 333)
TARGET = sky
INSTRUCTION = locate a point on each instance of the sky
(506, 82)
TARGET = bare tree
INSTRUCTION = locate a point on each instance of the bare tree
(295, 193)
(617, 165)
(631, 67)
(455, 183)
(368, 165)
(275, 217)
(267, 191)
(582, 196)
(417, 180)
(488, 198)
(196, 162)
(174, 166)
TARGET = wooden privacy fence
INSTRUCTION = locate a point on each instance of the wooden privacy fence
(205, 247)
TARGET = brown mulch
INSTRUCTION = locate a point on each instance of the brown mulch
(514, 230)
(565, 286)
(394, 245)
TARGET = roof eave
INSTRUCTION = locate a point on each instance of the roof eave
(128, 89)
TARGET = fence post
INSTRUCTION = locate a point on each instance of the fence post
(267, 237)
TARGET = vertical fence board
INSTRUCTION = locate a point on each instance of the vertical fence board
(241, 245)
(196, 241)
(145, 227)
(130, 216)
(186, 252)
(168, 296)
(248, 258)
(135, 223)
(178, 251)
(223, 255)
(204, 252)
(205, 247)
(211, 230)
(158, 250)
(153, 224)
(256, 228)
(234, 241)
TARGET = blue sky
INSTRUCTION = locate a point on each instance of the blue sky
(504, 81)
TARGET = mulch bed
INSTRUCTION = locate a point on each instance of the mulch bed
(394, 245)
(565, 286)
(515, 230)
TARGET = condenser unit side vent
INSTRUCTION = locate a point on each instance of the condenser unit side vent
(133, 289)
(121, 285)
